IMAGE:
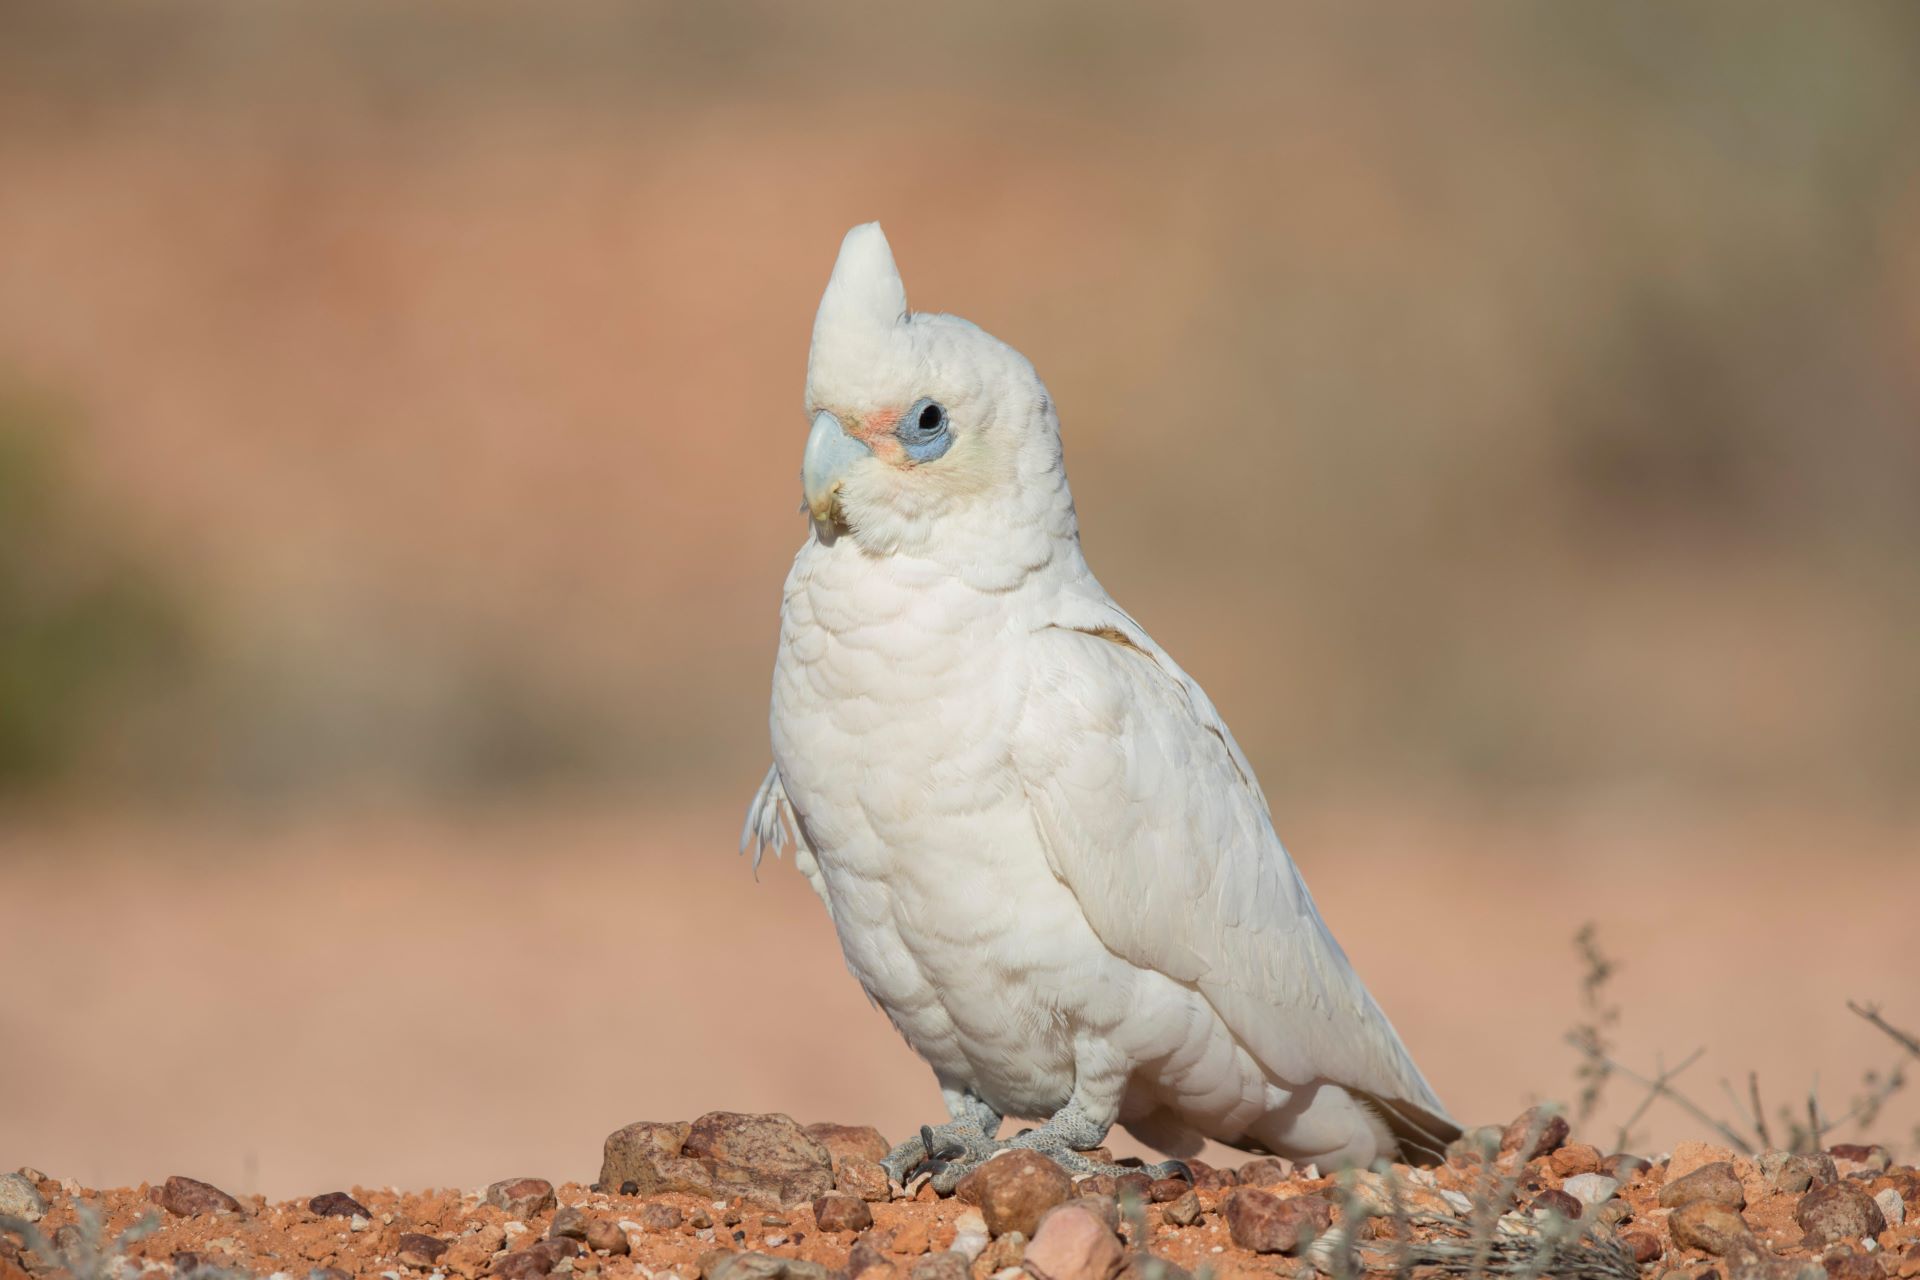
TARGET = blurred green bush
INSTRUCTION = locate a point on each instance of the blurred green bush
(87, 631)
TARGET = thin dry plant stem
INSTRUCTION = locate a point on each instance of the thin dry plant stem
(1906, 1040)
(1759, 1114)
(1661, 1086)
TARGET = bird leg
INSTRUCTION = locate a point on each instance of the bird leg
(1071, 1132)
(952, 1151)
(967, 1138)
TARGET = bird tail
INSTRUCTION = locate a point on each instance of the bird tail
(1422, 1135)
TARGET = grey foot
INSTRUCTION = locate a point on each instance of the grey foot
(953, 1164)
(935, 1146)
(1055, 1148)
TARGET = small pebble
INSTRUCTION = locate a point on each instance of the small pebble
(1547, 1128)
(1072, 1244)
(970, 1236)
(1838, 1211)
(337, 1204)
(1014, 1189)
(838, 1211)
(189, 1197)
(418, 1251)
(1265, 1223)
(1893, 1207)
(1263, 1172)
(863, 1178)
(20, 1198)
(521, 1197)
(666, 1217)
(1644, 1245)
(1185, 1211)
(569, 1222)
(1621, 1166)
(1573, 1159)
(1002, 1254)
(1559, 1202)
(1792, 1174)
(1714, 1183)
(1842, 1263)
(1689, 1155)
(1710, 1228)
(1590, 1188)
(1209, 1178)
(944, 1265)
(1874, 1157)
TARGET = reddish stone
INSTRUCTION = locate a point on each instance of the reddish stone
(1558, 1202)
(1265, 1223)
(1013, 1189)
(521, 1197)
(1838, 1211)
(337, 1204)
(1644, 1245)
(850, 1141)
(1072, 1244)
(1264, 1172)
(189, 1197)
(1709, 1228)
(837, 1211)
(605, 1236)
(418, 1251)
(1548, 1131)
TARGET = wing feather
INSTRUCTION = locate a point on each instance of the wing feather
(1151, 816)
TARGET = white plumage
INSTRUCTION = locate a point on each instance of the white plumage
(1046, 858)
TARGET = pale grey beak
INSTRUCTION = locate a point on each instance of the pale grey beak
(830, 451)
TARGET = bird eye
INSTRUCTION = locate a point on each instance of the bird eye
(923, 430)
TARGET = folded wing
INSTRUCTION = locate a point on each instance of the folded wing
(1151, 816)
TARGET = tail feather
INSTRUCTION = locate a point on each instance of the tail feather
(1422, 1135)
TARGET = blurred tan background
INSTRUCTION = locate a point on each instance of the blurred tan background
(1511, 415)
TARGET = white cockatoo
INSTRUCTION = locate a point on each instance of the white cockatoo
(1046, 858)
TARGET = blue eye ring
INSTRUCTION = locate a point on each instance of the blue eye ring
(923, 430)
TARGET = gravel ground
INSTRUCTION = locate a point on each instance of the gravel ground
(744, 1197)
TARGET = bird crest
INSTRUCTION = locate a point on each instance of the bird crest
(864, 304)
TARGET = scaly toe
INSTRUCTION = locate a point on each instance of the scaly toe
(1168, 1169)
(935, 1147)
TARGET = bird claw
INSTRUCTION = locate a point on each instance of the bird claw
(940, 1146)
(937, 1149)
(949, 1152)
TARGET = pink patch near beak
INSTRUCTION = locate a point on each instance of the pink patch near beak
(876, 431)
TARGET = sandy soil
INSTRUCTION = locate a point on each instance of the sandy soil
(418, 1001)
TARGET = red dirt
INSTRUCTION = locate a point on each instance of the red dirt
(286, 1237)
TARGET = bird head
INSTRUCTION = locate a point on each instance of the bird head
(922, 425)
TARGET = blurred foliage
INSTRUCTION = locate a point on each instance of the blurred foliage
(86, 629)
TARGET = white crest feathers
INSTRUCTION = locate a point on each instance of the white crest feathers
(864, 301)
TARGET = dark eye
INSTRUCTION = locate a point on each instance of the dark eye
(924, 430)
